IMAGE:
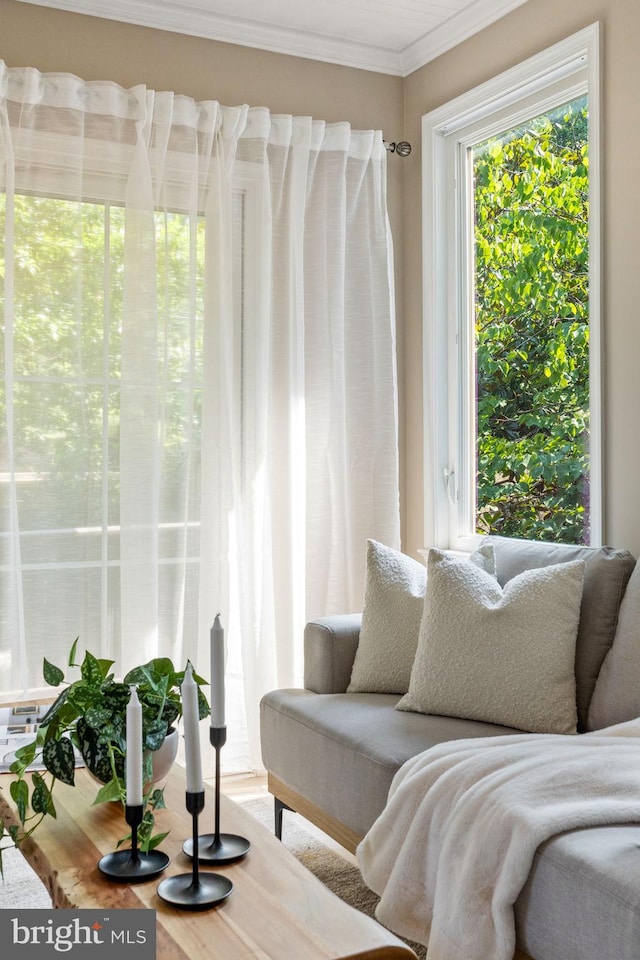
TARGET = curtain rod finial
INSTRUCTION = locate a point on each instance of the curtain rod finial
(402, 148)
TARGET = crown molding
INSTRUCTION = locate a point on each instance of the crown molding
(180, 17)
(455, 30)
(186, 19)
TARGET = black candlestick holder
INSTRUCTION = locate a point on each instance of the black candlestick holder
(133, 866)
(195, 891)
(218, 847)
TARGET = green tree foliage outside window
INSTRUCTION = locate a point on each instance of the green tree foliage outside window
(531, 329)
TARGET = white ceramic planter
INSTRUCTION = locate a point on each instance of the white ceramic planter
(163, 758)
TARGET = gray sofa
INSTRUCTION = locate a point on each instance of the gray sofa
(331, 755)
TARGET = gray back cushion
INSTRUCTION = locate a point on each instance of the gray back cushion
(606, 575)
(616, 697)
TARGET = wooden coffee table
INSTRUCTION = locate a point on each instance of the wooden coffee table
(277, 911)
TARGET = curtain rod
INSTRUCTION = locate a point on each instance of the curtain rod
(402, 148)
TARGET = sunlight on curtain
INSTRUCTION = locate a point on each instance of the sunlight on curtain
(198, 401)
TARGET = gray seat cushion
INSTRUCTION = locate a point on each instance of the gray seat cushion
(341, 751)
(582, 898)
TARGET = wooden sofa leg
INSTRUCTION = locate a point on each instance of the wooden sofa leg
(278, 808)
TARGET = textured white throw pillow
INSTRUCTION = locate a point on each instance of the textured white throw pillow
(503, 655)
(393, 604)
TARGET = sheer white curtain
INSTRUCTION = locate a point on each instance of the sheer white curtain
(198, 400)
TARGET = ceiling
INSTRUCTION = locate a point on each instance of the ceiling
(388, 36)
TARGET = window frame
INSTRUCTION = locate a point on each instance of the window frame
(561, 73)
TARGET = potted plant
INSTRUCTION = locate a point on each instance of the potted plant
(88, 719)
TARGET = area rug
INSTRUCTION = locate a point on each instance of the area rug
(22, 888)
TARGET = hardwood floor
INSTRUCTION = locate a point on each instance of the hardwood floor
(243, 786)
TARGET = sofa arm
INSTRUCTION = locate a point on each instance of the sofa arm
(330, 646)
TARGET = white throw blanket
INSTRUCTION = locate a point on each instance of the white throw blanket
(454, 846)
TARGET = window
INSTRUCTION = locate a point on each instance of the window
(68, 379)
(512, 385)
(70, 388)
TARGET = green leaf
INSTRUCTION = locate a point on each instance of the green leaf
(72, 653)
(116, 695)
(203, 705)
(147, 766)
(26, 753)
(156, 800)
(142, 676)
(155, 734)
(95, 753)
(98, 717)
(146, 828)
(114, 790)
(55, 707)
(91, 671)
(105, 666)
(20, 795)
(162, 666)
(41, 800)
(59, 758)
(155, 841)
(145, 833)
(53, 675)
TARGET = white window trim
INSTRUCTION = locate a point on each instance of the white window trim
(576, 58)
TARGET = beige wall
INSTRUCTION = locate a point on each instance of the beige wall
(529, 29)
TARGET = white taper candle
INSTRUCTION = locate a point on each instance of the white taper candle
(133, 758)
(217, 673)
(191, 732)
